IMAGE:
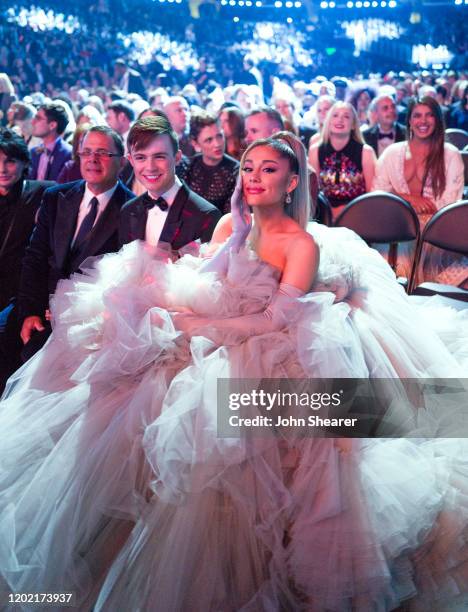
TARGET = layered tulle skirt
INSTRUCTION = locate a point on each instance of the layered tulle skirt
(115, 484)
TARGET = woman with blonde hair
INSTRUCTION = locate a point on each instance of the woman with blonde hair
(344, 164)
(7, 96)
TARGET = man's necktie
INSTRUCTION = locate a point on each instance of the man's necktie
(50, 159)
(149, 203)
(87, 224)
(387, 135)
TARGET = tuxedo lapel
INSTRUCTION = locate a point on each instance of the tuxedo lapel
(68, 206)
(106, 225)
(137, 220)
(171, 228)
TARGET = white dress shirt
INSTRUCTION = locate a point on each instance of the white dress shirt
(102, 198)
(157, 217)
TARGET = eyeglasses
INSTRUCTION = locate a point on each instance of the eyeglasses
(99, 154)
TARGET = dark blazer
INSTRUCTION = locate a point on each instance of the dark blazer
(189, 218)
(16, 235)
(371, 135)
(135, 83)
(62, 153)
(49, 257)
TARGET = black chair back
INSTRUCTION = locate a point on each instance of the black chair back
(447, 229)
(323, 212)
(381, 218)
(457, 137)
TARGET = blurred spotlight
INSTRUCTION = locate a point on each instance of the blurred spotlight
(289, 19)
(236, 19)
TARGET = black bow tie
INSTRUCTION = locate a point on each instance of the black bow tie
(150, 202)
(383, 135)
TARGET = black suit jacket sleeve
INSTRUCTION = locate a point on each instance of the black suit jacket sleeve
(16, 238)
(33, 295)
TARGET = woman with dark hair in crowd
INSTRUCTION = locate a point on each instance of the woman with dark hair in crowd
(344, 164)
(233, 125)
(210, 173)
(361, 100)
(426, 171)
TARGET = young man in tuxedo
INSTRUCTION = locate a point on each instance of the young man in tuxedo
(169, 212)
(48, 159)
(386, 131)
(76, 220)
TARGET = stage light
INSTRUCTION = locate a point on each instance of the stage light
(224, 2)
(383, 4)
(289, 20)
(359, 4)
(235, 19)
(374, 3)
(248, 3)
(241, 2)
(458, 1)
(278, 4)
(350, 4)
(298, 4)
(258, 3)
(288, 4)
(332, 4)
(392, 4)
(366, 4)
(324, 5)
(232, 2)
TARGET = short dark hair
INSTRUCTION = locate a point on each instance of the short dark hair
(108, 131)
(145, 130)
(122, 106)
(272, 113)
(199, 121)
(12, 145)
(56, 112)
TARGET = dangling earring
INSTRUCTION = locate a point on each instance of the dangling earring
(288, 199)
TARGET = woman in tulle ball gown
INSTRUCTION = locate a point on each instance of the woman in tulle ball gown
(115, 484)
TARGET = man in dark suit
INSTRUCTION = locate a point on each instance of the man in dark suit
(386, 130)
(19, 203)
(128, 80)
(169, 212)
(76, 220)
(48, 159)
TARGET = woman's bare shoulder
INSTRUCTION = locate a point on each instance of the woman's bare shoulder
(223, 229)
